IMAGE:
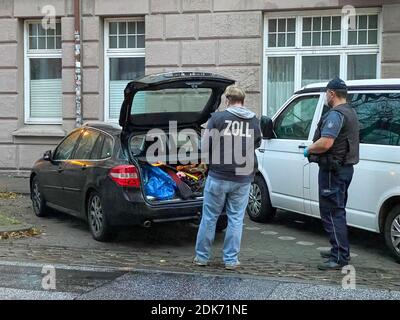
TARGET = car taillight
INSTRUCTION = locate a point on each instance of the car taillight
(125, 176)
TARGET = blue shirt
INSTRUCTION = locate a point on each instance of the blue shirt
(332, 125)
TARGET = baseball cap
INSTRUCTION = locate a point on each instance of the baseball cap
(336, 84)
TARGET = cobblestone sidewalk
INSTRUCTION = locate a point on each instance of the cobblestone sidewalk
(128, 259)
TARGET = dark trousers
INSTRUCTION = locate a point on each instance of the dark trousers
(333, 188)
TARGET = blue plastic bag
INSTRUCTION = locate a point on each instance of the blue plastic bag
(158, 183)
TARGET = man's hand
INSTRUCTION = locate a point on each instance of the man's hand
(306, 153)
(322, 145)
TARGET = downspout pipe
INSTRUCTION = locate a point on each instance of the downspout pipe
(78, 70)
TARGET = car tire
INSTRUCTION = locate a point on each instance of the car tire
(222, 223)
(392, 232)
(259, 208)
(38, 202)
(97, 219)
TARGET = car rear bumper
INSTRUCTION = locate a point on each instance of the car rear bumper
(126, 207)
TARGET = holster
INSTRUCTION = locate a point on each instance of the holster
(325, 162)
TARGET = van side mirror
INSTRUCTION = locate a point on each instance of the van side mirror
(267, 127)
(47, 155)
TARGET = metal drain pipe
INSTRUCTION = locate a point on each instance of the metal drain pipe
(78, 71)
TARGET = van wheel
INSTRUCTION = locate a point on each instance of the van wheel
(392, 232)
(259, 207)
(38, 202)
(222, 223)
(97, 219)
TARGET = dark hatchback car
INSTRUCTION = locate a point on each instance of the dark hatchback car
(96, 172)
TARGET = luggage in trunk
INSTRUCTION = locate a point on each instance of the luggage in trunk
(172, 182)
(168, 181)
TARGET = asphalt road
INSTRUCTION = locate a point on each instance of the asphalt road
(25, 281)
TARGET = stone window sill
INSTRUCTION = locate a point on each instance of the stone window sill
(40, 131)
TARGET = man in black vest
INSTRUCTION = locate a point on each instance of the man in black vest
(336, 150)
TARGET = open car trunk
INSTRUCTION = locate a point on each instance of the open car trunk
(165, 178)
(181, 99)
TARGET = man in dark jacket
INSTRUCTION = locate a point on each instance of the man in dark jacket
(228, 144)
(336, 149)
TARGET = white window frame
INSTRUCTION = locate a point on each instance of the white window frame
(343, 50)
(116, 53)
(35, 53)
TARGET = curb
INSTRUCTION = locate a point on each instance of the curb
(15, 228)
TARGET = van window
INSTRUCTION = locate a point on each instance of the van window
(379, 117)
(295, 121)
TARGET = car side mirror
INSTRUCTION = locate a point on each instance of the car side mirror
(267, 127)
(47, 155)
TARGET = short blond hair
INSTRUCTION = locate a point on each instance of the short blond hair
(235, 93)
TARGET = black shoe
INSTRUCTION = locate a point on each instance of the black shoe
(325, 254)
(330, 265)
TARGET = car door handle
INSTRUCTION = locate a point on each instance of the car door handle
(60, 169)
(302, 146)
(84, 167)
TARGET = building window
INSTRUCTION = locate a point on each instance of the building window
(323, 31)
(317, 68)
(308, 47)
(43, 86)
(366, 31)
(281, 32)
(124, 61)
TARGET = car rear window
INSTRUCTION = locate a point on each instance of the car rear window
(86, 145)
(171, 100)
(103, 148)
(106, 151)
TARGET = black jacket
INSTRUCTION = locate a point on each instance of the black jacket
(229, 144)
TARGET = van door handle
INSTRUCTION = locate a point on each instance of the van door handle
(302, 146)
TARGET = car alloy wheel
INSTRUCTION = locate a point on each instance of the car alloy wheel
(96, 217)
(395, 233)
(36, 198)
(254, 205)
(259, 207)
(38, 201)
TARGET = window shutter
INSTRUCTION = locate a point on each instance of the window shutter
(46, 98)
(117, 88)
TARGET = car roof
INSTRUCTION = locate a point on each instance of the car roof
(110, 128)
(370, 84)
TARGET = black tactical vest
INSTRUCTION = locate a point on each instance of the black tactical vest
(346, 148)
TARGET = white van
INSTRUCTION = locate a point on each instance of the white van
(286, 180)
